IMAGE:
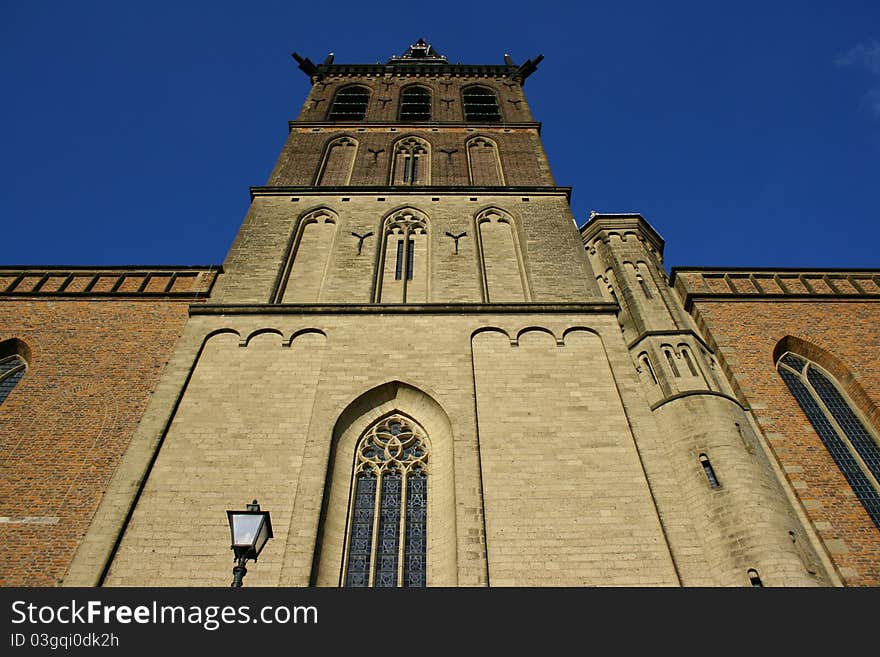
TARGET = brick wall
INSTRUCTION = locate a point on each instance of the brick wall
(519, 149)
(92, 364)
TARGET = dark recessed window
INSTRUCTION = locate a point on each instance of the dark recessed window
(710, 471)
(350, 104)
(11, 371)
(415, 104)
(755, 579)
(480, 104)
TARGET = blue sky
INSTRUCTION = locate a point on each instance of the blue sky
(132, 130)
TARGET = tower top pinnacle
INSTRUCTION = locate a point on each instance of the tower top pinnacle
(420, 52)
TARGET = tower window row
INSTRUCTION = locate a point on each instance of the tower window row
(401, 251)
(351, 102)
(410, 161)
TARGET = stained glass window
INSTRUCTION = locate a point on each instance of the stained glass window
(850, 443)
(11, 371)
(387, 536)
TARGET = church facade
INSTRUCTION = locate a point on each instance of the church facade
(429, 376)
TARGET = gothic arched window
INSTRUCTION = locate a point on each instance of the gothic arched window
(415, 104)
(848, 440)
(480, 104)
(350, 103)
(412, 162)
(387, 530)
(11, 371)
(402, 275)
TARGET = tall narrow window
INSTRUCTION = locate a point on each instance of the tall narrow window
(671, 360)
(415, 104)
(411, 163)
(644, 286)
(710, 471)
(646, 366)
(350, 104)
(402, 276)
(688, 361)
(387, 536)
(12, 369)
(405, 263)
(480, 104)
(849, 441)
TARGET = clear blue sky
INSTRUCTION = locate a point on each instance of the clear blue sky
(132, 130)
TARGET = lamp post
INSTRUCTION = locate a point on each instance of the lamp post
(250, 530)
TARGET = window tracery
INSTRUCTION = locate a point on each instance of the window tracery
(403, 274)
(412, 162)
(846, 437)
(387, 537)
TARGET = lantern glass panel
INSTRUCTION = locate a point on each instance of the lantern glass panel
(245, 529)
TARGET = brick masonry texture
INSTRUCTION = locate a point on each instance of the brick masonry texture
(446, 93)
(746, 334)
(92, 367)
(519, 149)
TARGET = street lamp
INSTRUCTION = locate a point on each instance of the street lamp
(250, 531)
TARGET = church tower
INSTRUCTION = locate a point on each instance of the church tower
(429, 377)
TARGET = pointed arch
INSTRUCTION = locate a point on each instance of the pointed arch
(397, 433)
(349, 103)
(849, 437)
(415, 103)
(411, 162)
(501, 265)
(305, 267)
(484, 162)
(403, 267)
(338, 161)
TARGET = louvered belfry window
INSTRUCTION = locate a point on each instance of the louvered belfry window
(415, 104)
(387, 533)
(350, 104)
(845, 436)
(480, 104)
